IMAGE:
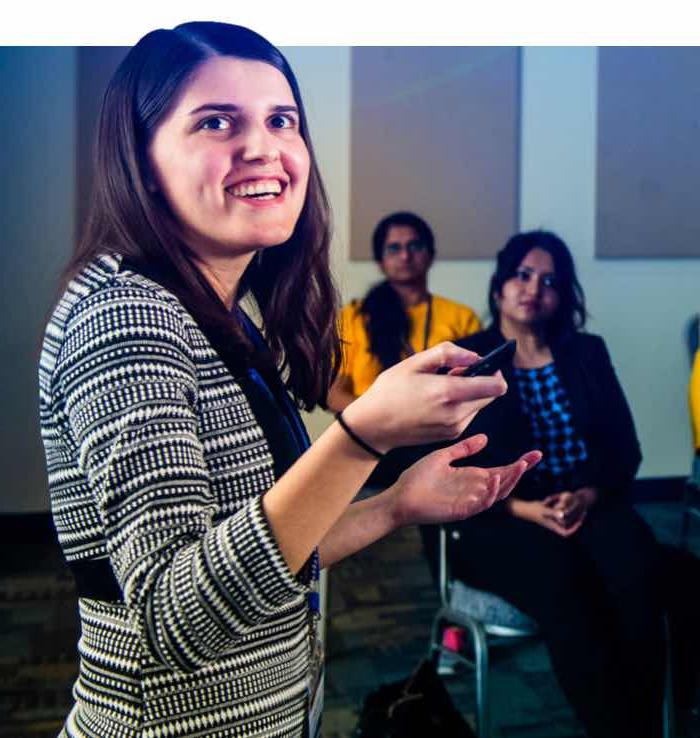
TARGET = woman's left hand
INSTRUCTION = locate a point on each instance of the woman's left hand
(433, 491)
(569, 509)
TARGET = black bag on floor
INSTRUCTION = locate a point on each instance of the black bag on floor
(416, 707)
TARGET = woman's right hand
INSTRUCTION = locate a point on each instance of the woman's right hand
(410, 403)
(540, 513)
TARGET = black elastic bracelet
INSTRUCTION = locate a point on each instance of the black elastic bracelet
(362, 444)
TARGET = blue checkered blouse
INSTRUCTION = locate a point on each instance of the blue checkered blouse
(544, 400)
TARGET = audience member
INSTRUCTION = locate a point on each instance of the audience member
(567, 547)
(398, 316)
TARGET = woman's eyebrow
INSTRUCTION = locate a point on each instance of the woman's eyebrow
(231, 108)
(222, 107)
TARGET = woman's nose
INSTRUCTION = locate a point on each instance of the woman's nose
(533, 286)
(258, 144)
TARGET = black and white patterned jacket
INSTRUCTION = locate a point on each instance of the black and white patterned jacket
(157, 465)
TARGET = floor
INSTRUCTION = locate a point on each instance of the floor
(381, 604)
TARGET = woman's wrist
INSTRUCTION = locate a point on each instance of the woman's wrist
(391, 507)
(516, 507)
(359, 418)
(358, 440)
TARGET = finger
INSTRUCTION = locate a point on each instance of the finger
(572, 529)
(469, 389)
(532, 458)
(509, 481)
(510, 475)
(513, 472)
(445, 354)
(494, 487)
(568, 503)
(553, 517)
(467, 447)
(553, 526)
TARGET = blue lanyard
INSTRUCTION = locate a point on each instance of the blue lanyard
(297, 432)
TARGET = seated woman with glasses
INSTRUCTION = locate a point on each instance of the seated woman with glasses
(399, 316)
(567, 548)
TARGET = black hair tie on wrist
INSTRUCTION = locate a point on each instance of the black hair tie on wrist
(362, 444)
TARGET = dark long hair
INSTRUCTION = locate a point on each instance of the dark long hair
(571, 314)
(125, 218)
(388, 325)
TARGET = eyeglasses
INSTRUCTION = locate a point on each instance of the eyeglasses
(546, 280)
(412, 247)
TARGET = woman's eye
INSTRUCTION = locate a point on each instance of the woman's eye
(217, 123)
(282, 121)
(523, 276)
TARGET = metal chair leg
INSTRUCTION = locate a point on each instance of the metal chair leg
(669, 709)
(481, 667)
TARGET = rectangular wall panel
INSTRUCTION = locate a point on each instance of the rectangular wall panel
(648, 172)
(435, 130)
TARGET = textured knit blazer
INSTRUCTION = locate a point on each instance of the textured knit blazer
(156, 466)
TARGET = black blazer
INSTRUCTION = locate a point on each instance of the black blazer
(599, 412)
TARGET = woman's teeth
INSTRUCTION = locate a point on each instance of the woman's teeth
(260, 190)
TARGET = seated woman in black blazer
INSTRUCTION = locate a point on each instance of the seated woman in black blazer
(566, 547)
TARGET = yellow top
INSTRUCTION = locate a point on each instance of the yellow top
(694, 399)
(449, 322)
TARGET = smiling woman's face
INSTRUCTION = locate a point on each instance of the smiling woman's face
(229, 158)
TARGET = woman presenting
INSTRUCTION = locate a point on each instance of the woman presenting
(187, 500)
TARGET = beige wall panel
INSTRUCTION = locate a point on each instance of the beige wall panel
(648, 172)
(435, 130)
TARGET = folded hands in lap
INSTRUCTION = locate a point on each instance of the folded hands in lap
(563, 513)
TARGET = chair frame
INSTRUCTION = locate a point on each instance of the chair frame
(482, 636)
(485, 634)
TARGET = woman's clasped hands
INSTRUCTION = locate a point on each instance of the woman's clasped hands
(563, 512)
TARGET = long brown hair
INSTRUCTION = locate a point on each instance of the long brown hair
(291, 283)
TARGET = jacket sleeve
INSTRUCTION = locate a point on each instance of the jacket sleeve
(613, 445)
(127, 375)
